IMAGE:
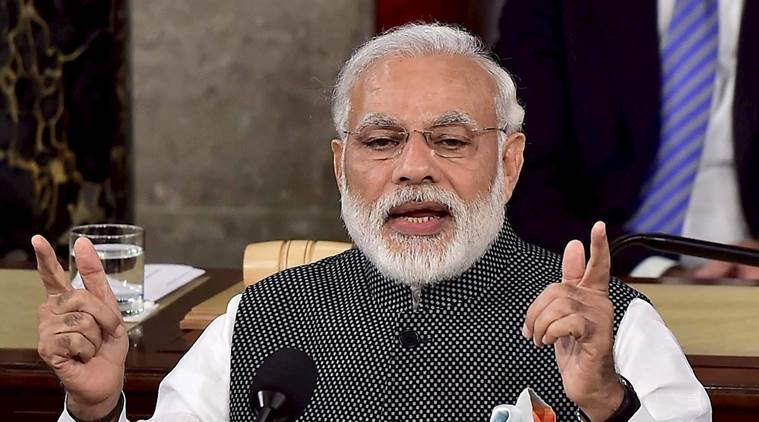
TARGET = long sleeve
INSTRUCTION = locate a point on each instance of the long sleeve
(648, 355)
(197, 389)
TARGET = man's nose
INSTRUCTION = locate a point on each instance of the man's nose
(417, 162)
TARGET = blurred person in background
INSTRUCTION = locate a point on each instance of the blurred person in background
(644, 114)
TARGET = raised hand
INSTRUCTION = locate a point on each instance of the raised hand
(81, 336)
(576, 316)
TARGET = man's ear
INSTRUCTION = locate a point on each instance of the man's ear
(513, 158)
(337, 159)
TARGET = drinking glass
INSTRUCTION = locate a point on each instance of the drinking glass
(121, 250)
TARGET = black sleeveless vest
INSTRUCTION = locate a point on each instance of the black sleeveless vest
(454, 357)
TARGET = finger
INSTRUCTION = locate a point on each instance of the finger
(561, 307)
(74, 345)
(575, 326)
(51, 324)
(48, 267)
(715, 269)
(573, 263)
(597, 272)
(79, 322)
(66, 346)
(84, 301)
(552, 292)
(91, 269)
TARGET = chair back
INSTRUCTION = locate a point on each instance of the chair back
(263, 259)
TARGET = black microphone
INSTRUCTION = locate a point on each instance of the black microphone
(666, 243)
(283, 386)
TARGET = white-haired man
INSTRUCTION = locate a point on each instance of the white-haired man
(440, 312)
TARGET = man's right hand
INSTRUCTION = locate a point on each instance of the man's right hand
(81, 336)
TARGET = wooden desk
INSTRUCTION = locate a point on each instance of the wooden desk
(732, 382)
(30, 392)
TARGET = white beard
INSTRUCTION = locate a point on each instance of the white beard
(418, 261)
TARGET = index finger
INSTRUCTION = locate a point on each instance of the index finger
(599, 265)
(48, 267)
(91, 270)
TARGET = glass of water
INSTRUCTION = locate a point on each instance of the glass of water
(121, 250)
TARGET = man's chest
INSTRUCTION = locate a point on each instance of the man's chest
(430, 363)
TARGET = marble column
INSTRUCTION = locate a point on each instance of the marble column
(64, 118)
(232, 122)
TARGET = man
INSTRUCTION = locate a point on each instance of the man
(609, 86)
(440, 313)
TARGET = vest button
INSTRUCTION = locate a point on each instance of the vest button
(409, 339)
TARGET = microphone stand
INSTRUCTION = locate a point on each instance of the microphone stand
(666, 243)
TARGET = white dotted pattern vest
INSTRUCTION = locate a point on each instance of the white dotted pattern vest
(453, 358)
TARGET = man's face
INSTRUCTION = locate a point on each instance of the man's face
(417, 94)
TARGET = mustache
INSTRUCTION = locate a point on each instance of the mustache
(417, 193)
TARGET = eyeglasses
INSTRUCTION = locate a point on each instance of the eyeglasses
(448, 141)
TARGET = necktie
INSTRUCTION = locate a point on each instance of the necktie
(689, 61)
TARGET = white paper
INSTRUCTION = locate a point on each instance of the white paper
(162, 279)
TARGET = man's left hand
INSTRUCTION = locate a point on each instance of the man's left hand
(576, 316)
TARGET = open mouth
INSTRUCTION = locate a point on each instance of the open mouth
(419, 218)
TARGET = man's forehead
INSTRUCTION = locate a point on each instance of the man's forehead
(423, 90)
(423, 72)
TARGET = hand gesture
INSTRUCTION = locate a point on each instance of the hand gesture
(576, 317)
(81, 336)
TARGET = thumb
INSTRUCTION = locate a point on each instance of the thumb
(573, 263)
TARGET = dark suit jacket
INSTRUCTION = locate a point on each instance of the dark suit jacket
(587, 72)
